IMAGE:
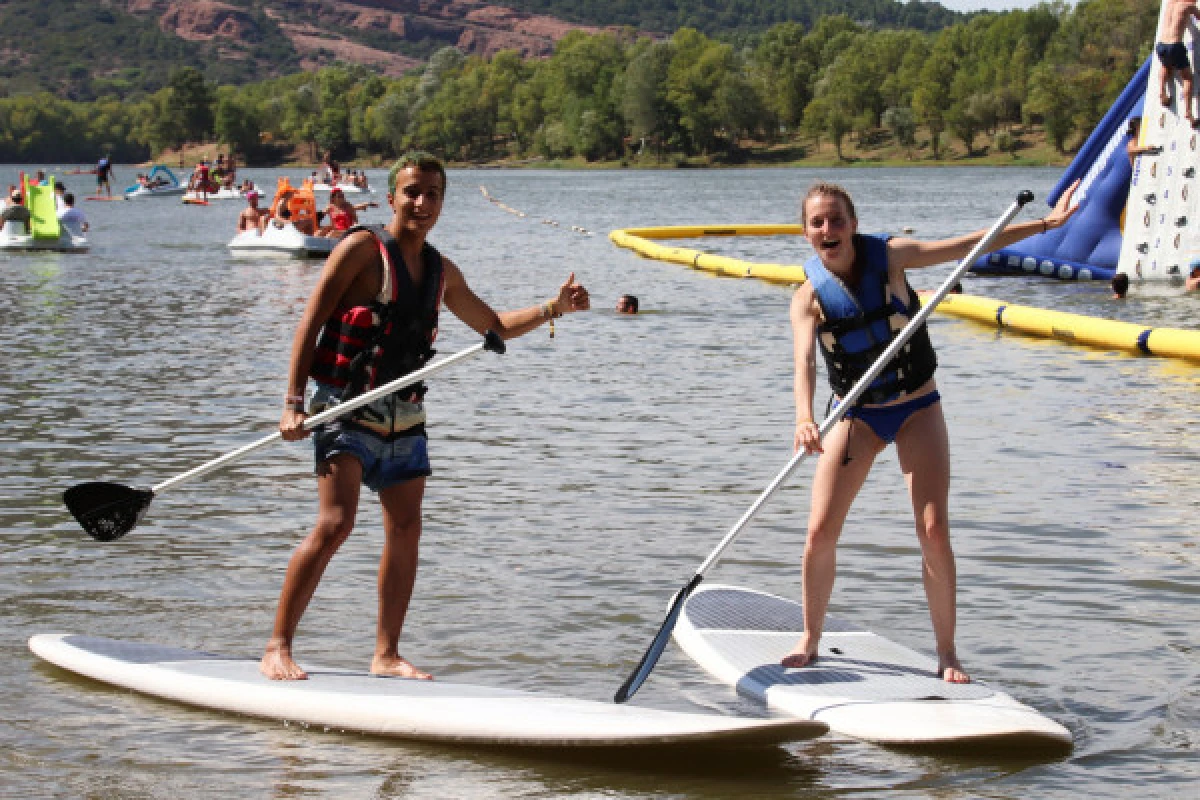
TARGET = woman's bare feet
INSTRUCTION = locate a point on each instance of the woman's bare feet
(397, 667)
(277, 663)
(951, 670)
(803, 654)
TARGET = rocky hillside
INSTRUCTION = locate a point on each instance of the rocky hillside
(84, 49)
(390, 35)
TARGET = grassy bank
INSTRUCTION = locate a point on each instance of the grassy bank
(1031, 149)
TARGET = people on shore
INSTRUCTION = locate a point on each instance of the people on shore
(856, 299)
(373, 316)
(72, 218)
(1173, 56)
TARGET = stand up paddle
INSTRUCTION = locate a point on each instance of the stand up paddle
(108, 511)
(642, 671)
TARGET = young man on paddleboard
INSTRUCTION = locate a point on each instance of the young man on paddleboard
(371, 318)
(856, 299)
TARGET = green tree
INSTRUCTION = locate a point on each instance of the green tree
(902, 125)
(192, 101)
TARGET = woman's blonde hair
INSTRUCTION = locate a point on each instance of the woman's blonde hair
(830, 190)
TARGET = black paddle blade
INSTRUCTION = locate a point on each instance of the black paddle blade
(107, 511)
(642, 671)
(493, 342)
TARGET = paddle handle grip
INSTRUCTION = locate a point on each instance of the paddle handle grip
(491, 341)
(847, 402)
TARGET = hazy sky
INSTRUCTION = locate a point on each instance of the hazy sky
(992, 5)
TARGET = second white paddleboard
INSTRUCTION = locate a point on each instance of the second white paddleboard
(862, 685)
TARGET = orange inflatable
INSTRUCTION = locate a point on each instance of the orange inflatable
(301, 204)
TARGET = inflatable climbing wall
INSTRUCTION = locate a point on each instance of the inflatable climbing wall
(1162, 237)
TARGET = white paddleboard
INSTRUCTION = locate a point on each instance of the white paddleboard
(410, 709)
(862, 685)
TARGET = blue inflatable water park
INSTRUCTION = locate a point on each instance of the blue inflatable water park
(1088, 247)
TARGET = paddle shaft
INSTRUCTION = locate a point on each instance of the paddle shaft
(326, 415)
(871, 374)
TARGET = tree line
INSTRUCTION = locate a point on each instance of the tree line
(618, 95)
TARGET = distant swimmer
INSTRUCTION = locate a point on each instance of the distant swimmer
(104, 176)
(1120, 286)
(373, 317)
(856, 300)
(627, 304)
(1192, 282)
(1173, 54)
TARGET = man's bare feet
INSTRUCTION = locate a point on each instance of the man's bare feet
(951, 670)
(397, 667)
(277, 664)
(803, 654)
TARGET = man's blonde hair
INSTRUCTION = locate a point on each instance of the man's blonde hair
(829, 190)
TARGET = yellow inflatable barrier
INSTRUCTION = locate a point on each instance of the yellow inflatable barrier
(639, 241)
(1106, 334)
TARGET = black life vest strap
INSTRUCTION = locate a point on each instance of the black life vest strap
(387, 312)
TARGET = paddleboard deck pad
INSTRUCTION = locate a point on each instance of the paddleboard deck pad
(861, 684)
(410, 709)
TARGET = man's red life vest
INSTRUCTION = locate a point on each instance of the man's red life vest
(362, 347)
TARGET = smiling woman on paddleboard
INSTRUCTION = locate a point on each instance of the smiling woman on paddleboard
(853, 304)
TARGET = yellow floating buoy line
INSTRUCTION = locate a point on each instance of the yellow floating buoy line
(518, 213)
(1074, 329)
(1106, 334)
(639, 241)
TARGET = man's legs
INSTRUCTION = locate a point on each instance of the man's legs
(835, 485)
(1164, 81)
(397, 574)
(923, 446)
(338, 487)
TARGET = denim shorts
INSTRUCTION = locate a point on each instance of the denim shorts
(385, 462)
(386, 459)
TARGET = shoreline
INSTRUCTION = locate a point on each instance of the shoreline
(1032, 150)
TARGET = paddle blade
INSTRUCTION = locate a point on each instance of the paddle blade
(107, 511)
(642, 671)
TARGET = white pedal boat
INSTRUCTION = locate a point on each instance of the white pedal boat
(221, 194)
(285, 240)
(14, 239)
(157, 191)
(347, 188)
(171, 188)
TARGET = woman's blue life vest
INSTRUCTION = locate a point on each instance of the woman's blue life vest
(363, 347)
(859, 325)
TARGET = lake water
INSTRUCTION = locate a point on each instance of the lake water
(580, 481)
